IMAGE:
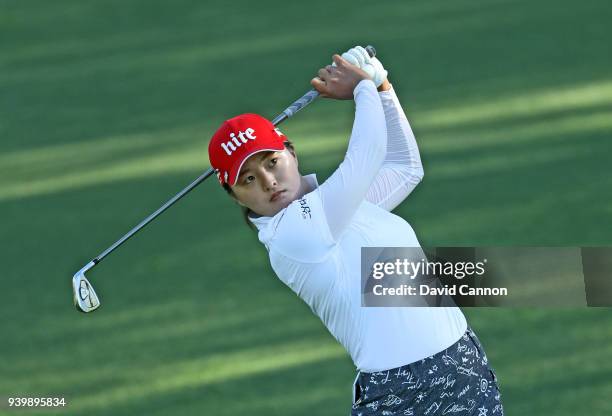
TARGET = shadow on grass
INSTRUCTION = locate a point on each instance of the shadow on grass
(165, 68)
(325, 385)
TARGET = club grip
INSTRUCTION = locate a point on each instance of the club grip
(307, 98)
(298, 104)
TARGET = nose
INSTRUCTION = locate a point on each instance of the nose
(268, 181)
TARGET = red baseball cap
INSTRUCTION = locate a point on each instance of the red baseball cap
(237, 139)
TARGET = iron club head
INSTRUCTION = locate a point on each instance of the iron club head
(85, 298)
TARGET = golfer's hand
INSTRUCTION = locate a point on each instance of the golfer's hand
(371, 65)
(338, 81)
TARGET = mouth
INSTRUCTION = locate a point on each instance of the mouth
(276, 195)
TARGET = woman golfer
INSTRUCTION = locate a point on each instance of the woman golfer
(410, 361)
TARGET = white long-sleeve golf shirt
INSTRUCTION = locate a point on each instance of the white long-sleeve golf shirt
(315, 243)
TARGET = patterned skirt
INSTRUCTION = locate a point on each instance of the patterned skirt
(456, 381)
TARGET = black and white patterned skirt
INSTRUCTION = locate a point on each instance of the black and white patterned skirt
(456, 381)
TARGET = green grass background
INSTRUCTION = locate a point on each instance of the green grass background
(106, 108)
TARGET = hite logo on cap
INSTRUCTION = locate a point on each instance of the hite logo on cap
(236, 142)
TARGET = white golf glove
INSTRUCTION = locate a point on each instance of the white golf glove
(359, 56)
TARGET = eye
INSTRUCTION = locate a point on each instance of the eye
(273, 161)
(249, 179)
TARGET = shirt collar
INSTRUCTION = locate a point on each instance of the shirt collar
(262, 222)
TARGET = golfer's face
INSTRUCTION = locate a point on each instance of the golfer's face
(268, 182)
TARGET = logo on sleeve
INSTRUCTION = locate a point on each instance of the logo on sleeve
(305, 208)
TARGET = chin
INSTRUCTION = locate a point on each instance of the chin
(278, 206)
(283, 202)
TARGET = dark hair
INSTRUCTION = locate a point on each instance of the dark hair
(246, 211)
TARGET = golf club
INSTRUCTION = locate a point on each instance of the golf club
(85, 297)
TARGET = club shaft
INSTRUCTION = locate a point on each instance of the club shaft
(154, 215)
